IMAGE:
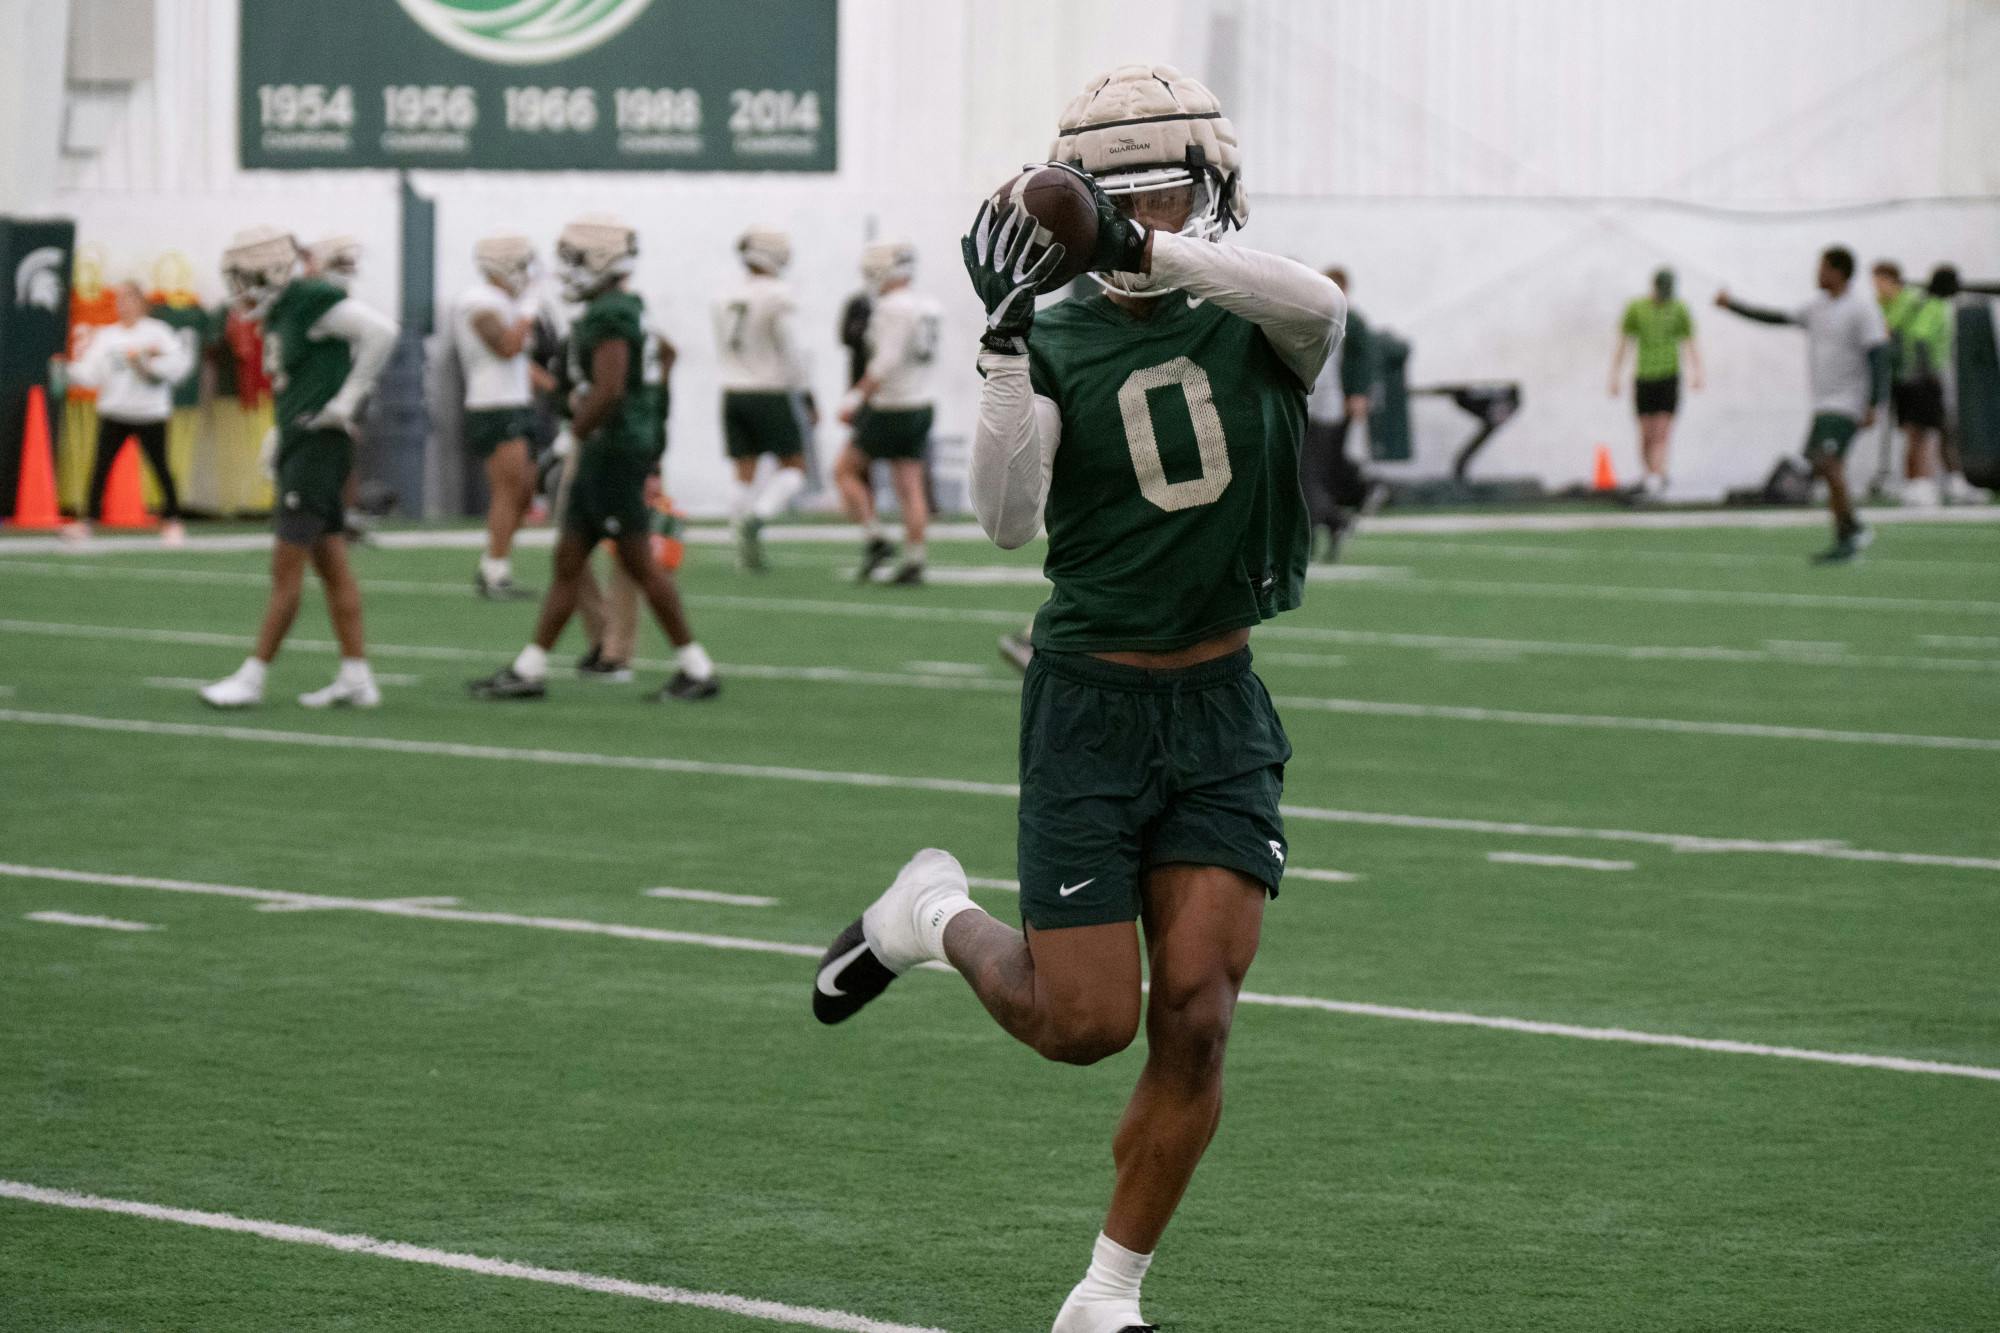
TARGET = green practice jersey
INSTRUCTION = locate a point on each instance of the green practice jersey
(306, 372)
(619, 316)
(1659, 327)
(1174, 512)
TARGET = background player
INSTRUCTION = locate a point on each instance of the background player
(891, 411)
(1919, 324)
(323, 351)
(1659, 325)
(491, 324)
(1847, 355)
(1151, 758)
(616, 421)
(766, 404)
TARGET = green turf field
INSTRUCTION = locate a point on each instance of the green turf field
(1772, 790)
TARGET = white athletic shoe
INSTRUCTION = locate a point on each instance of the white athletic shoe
(891, 937)
(344, 693)
(1099, 1316)
(233, 691)
(894, 923)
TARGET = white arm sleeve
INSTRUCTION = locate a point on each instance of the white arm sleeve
(1013, 448)
(88, 369)
(1301, 312)
(372, 335)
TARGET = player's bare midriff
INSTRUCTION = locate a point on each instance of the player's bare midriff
(1194, 655)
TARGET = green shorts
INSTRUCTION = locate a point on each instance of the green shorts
(893, 432)
(312, 474)
(1830, 435)
(607, 494)
(487, 428)
(1124, 769)
(754, 424)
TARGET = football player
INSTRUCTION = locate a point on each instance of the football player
(615, 417)
(1156, 424)
(490, 326)
(890, 409)
(323, 351)
(766, 405)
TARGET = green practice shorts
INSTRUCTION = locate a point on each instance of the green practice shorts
(893, 432)
(487, 428)
(762, 423)
(312, 472)
(1124, 769)
(607, 495)
(1830, 435)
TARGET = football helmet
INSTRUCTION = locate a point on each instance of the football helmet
(337, 260)
(765, 248)
(256, 266)
(1141, 128)
(592, 253)
(885, 261)
(507, 259)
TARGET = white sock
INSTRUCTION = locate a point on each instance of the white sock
(1115, 1272)
(693, 659)
(252, 671)
(742, 499)
(871, 530)
(913, 553)
(778, 492)
(932, 925)
(496, 570)
(532, 664)
(355, 670)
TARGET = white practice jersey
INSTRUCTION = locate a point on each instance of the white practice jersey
(491, 380)
(902, 348)
(754, 340)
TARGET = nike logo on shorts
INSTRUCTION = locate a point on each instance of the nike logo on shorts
(1067, 889)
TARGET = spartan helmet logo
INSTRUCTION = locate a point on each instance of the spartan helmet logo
(523, 32)
(38, 280)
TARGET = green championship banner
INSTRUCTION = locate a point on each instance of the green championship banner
(540, 85)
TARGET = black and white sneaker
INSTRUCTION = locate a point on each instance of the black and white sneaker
(594, 665)
(1017, 649)
(686, 689)
(505, 590)
(909, 574)
(850, 975)
(506, 683)
(1848, 548)
(750, 545)
(877, 553)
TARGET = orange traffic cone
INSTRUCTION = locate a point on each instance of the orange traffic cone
(124, 502)
(35, 492)
(1603, 478)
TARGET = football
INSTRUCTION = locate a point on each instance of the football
(1062, 206)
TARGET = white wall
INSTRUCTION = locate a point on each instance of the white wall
(1498, 177)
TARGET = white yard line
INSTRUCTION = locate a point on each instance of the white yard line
(1828, 849)
(1561, 862)
(1416, 546)
(705, 534)
(1959, 640)
(1322, 876)
(1595, 721)
(709, 896)
(1366, 707)
(401, 908)
(997, 885)
(769, 1311)
(391, 678)
(890, 610)
(100, 922)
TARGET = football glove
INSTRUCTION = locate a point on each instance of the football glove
(1007, 271)
(1121, 242)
